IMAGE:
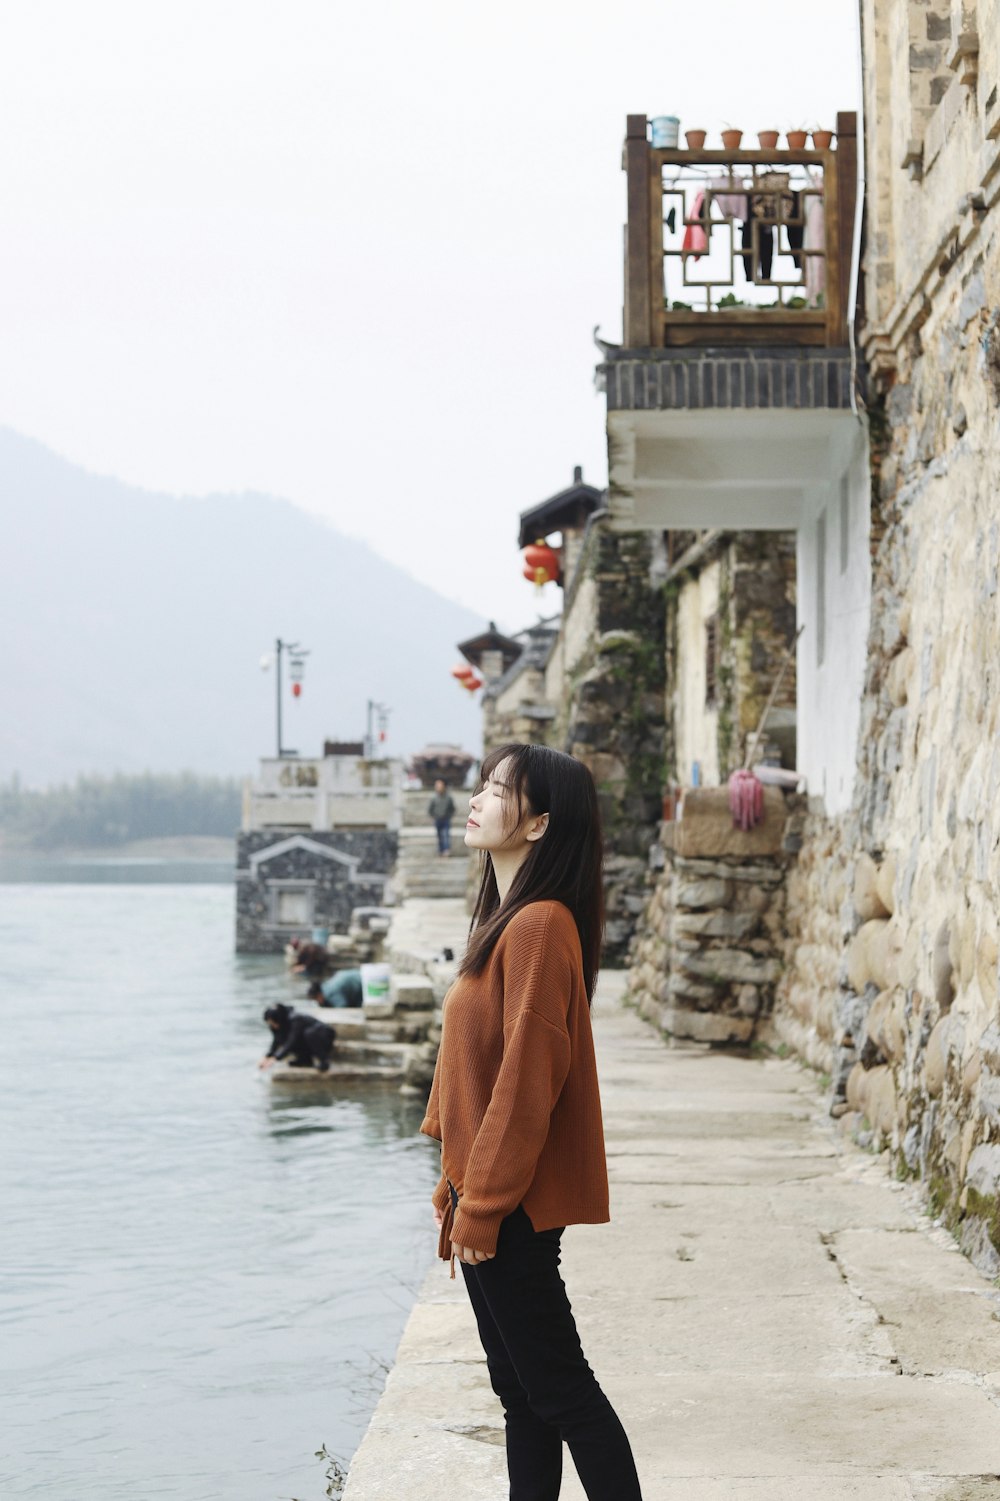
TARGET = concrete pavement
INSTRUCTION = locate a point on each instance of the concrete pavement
(772, 1315)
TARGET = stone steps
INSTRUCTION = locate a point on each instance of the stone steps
(422, 872)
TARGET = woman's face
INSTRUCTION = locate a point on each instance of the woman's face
(492, 813)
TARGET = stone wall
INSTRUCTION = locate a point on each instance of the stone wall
(744, 586)
(892, 958)
(708, 953)
(337, 871)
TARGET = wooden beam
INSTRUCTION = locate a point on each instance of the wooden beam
(638, 309)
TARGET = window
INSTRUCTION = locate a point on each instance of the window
(292, 906)
(821, 589)
(711, 661)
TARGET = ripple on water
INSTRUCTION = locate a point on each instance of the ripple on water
(202, 1279)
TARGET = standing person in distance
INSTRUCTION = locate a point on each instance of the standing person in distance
(442, 809)
(516, 1107)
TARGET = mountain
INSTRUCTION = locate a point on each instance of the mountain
(132, 625)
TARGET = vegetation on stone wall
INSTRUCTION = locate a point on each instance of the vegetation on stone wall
(613, 712)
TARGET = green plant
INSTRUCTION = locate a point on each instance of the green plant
(335, 1476)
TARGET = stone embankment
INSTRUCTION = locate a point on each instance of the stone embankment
(772, 1314)
(396, 1039)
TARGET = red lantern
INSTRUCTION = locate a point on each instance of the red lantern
(541, 564)
(296, 690)
(473, 683)
(463, 672)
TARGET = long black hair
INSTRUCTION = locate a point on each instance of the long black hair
(564, 865)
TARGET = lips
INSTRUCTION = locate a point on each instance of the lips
(471, 824)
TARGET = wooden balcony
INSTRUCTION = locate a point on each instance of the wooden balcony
(739, 248)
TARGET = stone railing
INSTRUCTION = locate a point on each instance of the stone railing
(323, 793)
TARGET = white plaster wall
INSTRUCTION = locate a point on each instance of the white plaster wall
(829, 692)
(580, 623)
(576, 636)
(697, 726)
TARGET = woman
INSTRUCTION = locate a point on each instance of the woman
(299, 1037)
(516, 1108)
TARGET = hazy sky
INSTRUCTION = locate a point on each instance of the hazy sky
(352, 254)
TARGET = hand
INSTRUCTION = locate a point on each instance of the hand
(438, 1217)
(265, 1063)
(468, 1254)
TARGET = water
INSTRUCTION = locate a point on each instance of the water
(204, 1273)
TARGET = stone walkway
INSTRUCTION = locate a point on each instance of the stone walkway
(774, 1318)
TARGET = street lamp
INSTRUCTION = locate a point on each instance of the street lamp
(382, 711)
(297, 664)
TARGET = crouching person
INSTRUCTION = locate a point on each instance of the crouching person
(299, 1038)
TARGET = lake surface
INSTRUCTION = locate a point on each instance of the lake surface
(203, 1274)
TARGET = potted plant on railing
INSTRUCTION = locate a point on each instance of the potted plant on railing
(768, 139)
(822, 139)
(731, 138)
(695, 139)
(797, 139)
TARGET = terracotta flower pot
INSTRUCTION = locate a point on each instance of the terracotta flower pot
(797, 139)
(695, 139)
(731, 139)
(768, 139)
(822, 139)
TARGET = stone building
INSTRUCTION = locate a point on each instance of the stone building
(590, 681)
(867, 424)
(891, 977)
(319, 838)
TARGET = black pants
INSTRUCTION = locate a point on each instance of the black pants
(540, 1373)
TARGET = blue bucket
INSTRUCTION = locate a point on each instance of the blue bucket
(320, 935)
(666, 130)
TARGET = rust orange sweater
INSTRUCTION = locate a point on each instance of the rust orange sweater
(515, 1101)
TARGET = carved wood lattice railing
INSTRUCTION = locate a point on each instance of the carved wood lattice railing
(739, 247)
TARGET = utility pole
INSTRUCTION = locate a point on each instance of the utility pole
(278, 648)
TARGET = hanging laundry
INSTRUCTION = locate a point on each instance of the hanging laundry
(795, 229)
(729, 197)
(696, 234)
(765, 248)
(770, 203)
(815, 239)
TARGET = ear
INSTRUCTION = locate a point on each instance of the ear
(537, 828)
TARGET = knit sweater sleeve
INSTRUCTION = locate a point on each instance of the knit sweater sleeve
(440, 1196)
(537, 963)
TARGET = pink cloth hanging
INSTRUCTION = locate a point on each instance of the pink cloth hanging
(695, 236)
(815, 239)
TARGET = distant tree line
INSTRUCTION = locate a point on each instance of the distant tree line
(106, 811)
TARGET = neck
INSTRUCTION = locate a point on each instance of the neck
(506, 864)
